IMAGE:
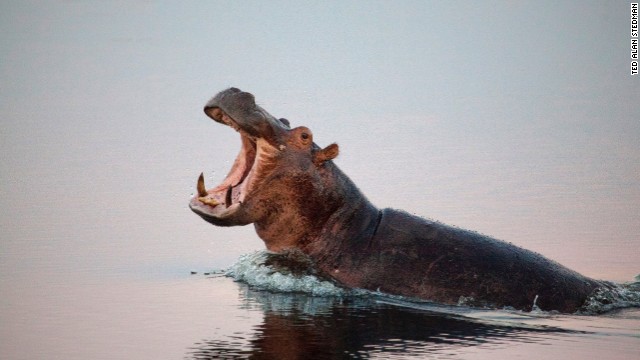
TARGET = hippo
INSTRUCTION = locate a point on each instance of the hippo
(300, 202)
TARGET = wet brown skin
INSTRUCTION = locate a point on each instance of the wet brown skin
(298, 200)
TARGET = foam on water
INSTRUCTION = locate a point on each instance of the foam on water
(618, 296)
(251, 269)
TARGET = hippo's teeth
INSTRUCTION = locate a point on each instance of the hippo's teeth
(203, 196)
(202, 191)
(208, 201)
(227, 198)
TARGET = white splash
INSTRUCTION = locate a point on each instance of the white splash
(251, 269)
(618, 296)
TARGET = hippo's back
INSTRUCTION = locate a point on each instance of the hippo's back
(411, 256)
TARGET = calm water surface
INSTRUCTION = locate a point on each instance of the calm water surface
(212, 317)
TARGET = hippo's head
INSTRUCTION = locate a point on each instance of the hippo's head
(278, 181)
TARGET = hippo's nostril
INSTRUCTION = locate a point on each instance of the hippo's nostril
(246, 97)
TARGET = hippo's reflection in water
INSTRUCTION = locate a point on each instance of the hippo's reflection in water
(300, 326)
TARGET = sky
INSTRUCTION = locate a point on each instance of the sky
(516, 119)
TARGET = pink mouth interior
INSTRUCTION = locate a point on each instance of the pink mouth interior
(234, 187)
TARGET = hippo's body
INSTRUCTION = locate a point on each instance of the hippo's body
(297, 198)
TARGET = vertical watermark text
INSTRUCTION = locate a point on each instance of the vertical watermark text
(634, 38)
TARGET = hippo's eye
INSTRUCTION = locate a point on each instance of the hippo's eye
(304, 136)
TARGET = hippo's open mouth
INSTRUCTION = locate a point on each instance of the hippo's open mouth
(233, 201)
(225, 199)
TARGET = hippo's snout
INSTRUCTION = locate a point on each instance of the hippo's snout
(240, 103)
(238, 109)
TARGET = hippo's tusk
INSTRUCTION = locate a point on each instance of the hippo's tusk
(227, 198)
(202, 191)
(203, 196)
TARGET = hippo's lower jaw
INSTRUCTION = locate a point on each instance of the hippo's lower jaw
(215, 215)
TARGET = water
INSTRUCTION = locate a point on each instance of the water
(519, 121)
(297, 325)
(210, 317)
(355, 323)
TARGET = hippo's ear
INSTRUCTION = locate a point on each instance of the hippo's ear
(328, 153)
